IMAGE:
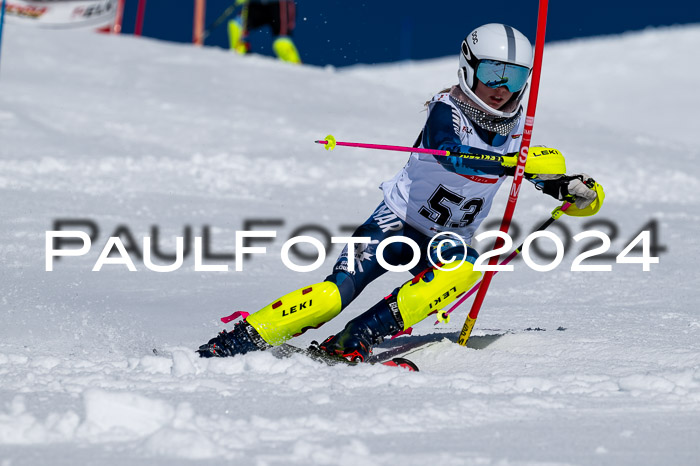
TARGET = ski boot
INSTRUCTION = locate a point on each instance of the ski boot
(291, 315)
(241, 340)
(358, 337)
(425, 294)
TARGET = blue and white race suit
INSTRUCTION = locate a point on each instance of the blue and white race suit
(429, 195)
(436, 193)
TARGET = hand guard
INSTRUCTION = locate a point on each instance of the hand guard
(576, 189)
(540, 160)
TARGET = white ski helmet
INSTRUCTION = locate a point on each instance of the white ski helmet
(496, 45)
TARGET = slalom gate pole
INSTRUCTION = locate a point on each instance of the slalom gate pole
(118, 17)
(519, 170)
(556, 213)
(2, 22)
(140, 15)
(481, 154)
(200, 7)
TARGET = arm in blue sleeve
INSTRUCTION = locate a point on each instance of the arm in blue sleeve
(440, 133)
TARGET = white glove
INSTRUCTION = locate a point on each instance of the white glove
(578, 187)
(575, 188)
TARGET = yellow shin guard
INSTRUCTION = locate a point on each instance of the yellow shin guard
(235, 33)
(297, 312)
(434, 289)
(286, 50)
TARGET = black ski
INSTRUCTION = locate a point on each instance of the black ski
(317, 354)
(406, 346)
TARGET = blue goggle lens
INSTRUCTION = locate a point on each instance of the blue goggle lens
(496, 74)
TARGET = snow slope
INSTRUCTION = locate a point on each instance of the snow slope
(139, 134)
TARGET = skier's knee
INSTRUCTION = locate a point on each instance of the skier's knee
(346, 287)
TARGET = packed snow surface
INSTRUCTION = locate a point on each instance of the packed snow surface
(144, 138)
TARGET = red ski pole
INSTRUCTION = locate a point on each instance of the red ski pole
(519, 170)
(478, 154)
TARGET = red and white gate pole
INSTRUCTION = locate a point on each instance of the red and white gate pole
(198, 28)
(519, 171)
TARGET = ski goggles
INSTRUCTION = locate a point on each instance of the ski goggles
(496, 74)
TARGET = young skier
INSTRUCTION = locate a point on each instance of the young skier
(278, 14)
(429, 195)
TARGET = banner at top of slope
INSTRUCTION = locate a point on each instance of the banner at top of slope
(61, 13)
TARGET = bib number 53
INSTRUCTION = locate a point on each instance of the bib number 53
(444, 205)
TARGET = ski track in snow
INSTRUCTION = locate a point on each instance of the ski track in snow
(141, 133)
